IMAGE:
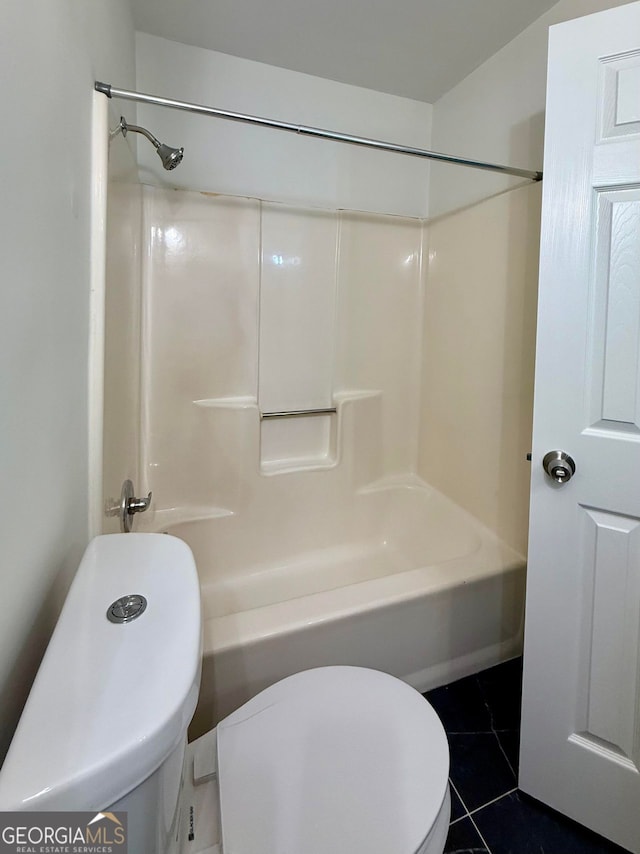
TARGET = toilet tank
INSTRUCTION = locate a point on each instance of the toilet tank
(105, 723)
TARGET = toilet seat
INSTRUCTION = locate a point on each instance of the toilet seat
(337, 759)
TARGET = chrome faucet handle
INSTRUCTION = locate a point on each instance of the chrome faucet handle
(138, 505)
(128, 506)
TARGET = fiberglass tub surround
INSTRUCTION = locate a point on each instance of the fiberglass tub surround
(316, 540)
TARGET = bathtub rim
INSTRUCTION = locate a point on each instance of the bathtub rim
(250, 627)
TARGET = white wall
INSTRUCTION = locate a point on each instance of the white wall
(477, 397)
(50, 53)
(226, 157)
(497, 113)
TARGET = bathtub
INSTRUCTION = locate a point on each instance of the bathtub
(409, 584)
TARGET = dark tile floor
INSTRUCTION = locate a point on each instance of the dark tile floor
(481, 715)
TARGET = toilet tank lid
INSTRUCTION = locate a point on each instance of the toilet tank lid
(110, 700)
(340, 759)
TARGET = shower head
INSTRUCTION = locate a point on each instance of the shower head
(171, 157)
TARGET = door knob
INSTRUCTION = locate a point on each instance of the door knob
(559, 466)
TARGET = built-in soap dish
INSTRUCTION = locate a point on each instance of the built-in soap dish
(298, 440)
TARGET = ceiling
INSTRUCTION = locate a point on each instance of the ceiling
(415, 48)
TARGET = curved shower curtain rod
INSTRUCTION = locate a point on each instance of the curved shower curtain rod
(319, 133)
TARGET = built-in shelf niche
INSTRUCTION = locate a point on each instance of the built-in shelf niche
(302, 442)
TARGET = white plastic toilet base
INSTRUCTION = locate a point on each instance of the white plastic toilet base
(435, 842)
(200, 830)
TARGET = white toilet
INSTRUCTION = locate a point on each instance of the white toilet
(336, 760)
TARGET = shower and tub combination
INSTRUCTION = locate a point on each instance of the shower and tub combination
(275, 413)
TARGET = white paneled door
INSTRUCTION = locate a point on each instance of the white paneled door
(580, 749)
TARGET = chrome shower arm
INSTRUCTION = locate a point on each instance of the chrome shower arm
(170, 157)
(137, 129)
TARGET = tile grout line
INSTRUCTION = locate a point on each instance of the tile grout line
(486, 704)
(493, 729)
(471, 814)
(467, 814)
(488, 803)
(484, 841)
